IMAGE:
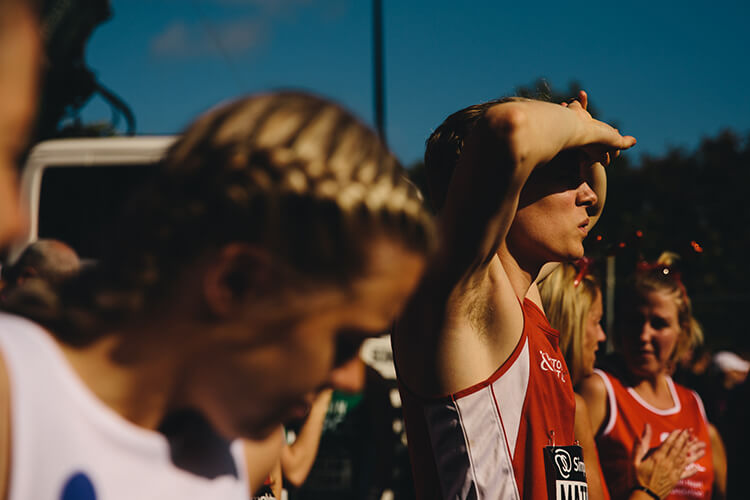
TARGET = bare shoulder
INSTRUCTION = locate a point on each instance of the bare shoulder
(261, 457)
(592, 389)
(446, 342)
(580, 403)
(5, 423)
(593, 392)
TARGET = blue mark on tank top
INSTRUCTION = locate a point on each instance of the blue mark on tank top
(78, 487)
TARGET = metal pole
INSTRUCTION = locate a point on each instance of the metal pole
(610, 285)
(378, 67)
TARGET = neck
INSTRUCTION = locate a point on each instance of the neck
(521, 274)
(654, 390)
(129, 373)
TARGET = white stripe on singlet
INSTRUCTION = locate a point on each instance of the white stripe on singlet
(474, 435)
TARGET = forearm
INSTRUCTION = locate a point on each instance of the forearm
(297, 459)
(585, 437)
(510, 141)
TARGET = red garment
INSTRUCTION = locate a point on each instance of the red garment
(487, 441)
(628, 414)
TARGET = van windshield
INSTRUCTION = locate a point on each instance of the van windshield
(78, 204)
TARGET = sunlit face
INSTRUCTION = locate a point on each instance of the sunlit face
(552, 218)
(651, 333)
(19, 56)
(247, 387)
(593, 334)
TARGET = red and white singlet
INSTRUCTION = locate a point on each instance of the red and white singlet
(488, 441)
(628, 413)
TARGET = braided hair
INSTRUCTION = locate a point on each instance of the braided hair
(289, 172)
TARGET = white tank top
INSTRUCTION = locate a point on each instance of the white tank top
(66, 444)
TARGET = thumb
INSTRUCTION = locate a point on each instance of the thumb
(642, 444)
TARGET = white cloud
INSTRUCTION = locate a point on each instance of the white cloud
(179, 40)
(252, 27)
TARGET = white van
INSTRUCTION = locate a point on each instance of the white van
(72, 188)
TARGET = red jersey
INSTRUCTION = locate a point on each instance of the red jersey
(628, 413)
(487, 441)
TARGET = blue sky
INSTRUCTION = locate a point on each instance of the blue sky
(667, 72)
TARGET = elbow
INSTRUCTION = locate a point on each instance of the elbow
(295, 478)
(507, 123)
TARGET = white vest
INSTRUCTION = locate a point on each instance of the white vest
(66, 444)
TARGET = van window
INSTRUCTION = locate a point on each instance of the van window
(78, 204)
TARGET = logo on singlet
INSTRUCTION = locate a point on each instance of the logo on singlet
(691, 468)
(563, 462)
(554, 365)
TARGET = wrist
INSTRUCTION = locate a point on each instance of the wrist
(647, 491)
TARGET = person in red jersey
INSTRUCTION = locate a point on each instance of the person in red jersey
(572, 299)
(487, 398)
(655, 327)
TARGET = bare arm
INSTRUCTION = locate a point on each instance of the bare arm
(297, 459)
(585, 437)
(464, 318)
(719, 456)
(261, 457)
(510, 141)
(593, 391)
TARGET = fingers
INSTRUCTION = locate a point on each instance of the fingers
(666, 447)
(677, 450)
(642, 444)
(583, 98)
(696, 451)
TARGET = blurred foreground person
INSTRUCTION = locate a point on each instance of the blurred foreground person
(47, 259)
(278, 234)
(42, 268)
(486, 395)
(656, 326)
(572, 298)
(20, 49)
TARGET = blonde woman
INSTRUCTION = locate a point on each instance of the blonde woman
(572, 299)
(278, 234)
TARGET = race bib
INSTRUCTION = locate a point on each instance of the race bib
(566, 473)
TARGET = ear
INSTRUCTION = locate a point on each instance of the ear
(28, 272)
(239, 271)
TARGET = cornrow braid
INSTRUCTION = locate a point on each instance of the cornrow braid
(290, 172)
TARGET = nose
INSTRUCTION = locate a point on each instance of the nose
(646, 333)
(585, 196)
(601, 336)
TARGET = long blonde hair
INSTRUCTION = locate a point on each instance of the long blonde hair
(567, 307)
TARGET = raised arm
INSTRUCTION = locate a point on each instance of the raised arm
(465, 318)
(298, 458)
(508, 143)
